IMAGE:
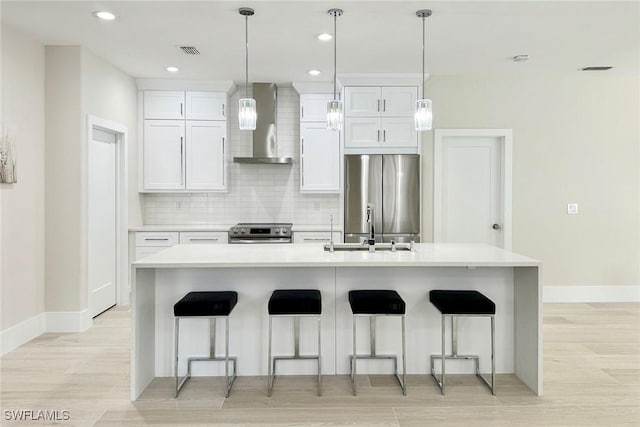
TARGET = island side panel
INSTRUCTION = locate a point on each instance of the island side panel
(423, 320)
(143, 303)
(528, 326)
(248, 327)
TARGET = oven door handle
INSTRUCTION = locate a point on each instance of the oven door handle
(250, 241)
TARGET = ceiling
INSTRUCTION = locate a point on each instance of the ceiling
(472, 37)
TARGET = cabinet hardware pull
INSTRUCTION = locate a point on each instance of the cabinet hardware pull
(181, 109)
(181, 160)
(302, 111)
(215, 239)
(302, 148)
(378, 135)
(155, 239)
(313, 239)
(384, 135)
(222, 110)
(378, 103)
(384, 105)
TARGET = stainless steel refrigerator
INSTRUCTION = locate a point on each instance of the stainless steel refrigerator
(391, 182)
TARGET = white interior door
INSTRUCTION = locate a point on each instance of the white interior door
(102, 222)
(470, 201)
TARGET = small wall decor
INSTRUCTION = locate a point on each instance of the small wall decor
(8, 153)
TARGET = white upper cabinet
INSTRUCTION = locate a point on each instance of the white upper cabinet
(380, 119)
(164, 105)
(319, 158)
(320, 154)
(163, 167)
(206, 106)
(205, 151)
(313, 107)
(184, 141)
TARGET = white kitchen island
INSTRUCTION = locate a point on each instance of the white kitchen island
(512, 281)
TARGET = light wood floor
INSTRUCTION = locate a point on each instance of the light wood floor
(591, 378)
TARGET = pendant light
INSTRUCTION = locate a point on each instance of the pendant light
(246, 106)
(334, 108)
(423, 114)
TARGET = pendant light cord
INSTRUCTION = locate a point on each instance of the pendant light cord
(335, 56)
(246, 57)
(423, 43)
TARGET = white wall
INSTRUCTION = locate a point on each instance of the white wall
(23, 210)
(576, 138)
(257, 193)
(78, 83)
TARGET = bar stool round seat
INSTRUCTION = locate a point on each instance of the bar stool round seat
(374, 303)
(454, 304)
(295, 303)
(209, 305)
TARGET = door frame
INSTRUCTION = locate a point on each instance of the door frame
(505, 137)
(122, 239)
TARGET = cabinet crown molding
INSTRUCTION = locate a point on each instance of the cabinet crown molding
(227, 86)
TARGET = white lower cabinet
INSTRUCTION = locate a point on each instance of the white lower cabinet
(316, 237)
(150, 242)
(203, 237)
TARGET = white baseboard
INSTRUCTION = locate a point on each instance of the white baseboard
(591, 293)
(68, 321)
(16, 335)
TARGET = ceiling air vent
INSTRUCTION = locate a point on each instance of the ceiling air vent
(598, 68)
(189, 50)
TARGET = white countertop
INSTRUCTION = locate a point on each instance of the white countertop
(225, 227)
(313, 255)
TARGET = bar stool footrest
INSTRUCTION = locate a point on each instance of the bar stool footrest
(229, 381)
(381, 357)
(473, 357)
(274, 359)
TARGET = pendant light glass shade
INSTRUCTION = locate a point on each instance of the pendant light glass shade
(423, 114)
(334, 115)
(334, 108)
(247, 113)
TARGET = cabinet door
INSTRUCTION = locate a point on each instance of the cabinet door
(362, 132)
(399, 101)
(163, 104)
(313, 107)
(203, 237)
(163, 155)
(399, 132)
(205, 165)
(206, 106)
(362, 101)
(319, 158)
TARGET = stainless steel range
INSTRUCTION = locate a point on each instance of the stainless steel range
(260, 233)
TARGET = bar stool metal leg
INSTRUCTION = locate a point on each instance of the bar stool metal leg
(353, 360)
(319, 357)
(176, 351)
(270, 361)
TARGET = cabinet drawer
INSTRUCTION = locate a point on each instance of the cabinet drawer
(316, 237)
(145, 251)
(157, 238)
(203, 237)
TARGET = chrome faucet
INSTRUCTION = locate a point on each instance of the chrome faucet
(372, 234)
(331, 245)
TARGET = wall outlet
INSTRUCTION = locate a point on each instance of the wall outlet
(572, 208)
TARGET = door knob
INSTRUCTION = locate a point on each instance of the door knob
(495, 227)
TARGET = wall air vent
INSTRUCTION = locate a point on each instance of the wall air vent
(597, 68)
(189, 50)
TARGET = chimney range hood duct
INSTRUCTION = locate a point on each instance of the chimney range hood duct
(264, 136)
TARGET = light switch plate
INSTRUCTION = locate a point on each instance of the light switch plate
(572, 208)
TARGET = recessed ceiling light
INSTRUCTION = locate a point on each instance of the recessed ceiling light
(172, 69)
(314, 72)
(325, 37)
(105, 16)
(520, 58)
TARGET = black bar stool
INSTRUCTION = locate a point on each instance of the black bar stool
(456, 304)
(211, 305)
(295, 303)
(372, 304)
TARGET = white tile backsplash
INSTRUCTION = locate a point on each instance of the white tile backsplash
(256, 193)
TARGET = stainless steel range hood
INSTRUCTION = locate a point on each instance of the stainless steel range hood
(265, 135)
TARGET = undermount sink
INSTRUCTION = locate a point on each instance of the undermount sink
(388, 247)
